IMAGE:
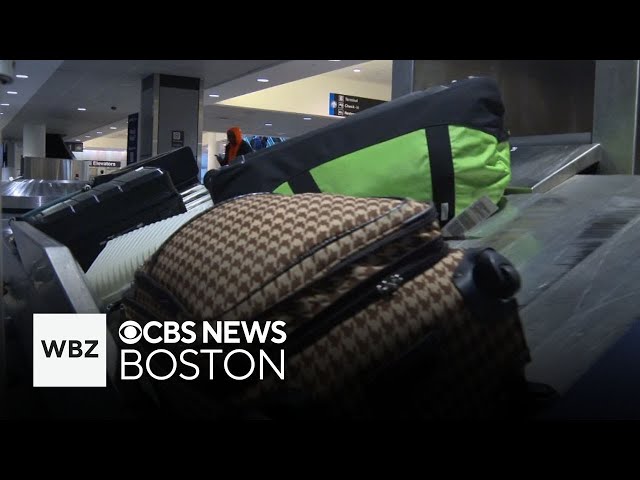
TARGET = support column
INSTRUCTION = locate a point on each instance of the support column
(13, 160)
(34, 140)
(615, 115)
(210, 139)
(401, 78)
(171, 115)
(13, 155)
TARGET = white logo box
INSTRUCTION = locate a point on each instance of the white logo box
(78, 358)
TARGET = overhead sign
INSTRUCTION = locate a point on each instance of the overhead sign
(105, 163)
(342, 105)
(75, 146)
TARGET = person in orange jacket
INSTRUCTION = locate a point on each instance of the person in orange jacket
(236, 146)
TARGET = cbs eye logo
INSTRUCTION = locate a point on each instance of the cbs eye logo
(130, 332)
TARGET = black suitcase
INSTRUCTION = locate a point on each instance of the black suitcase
(180, 163)
(89, 218)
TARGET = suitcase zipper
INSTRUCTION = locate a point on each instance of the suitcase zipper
(410, 226)
(381, 285)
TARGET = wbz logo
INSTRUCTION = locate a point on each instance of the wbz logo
(75, 348)
(69, 350)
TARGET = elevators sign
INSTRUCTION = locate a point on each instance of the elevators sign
(342, 105)
(104, 163)
(177, 138)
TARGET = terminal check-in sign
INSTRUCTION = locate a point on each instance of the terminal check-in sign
(342, 105)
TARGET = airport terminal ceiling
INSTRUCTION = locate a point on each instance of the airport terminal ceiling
(108, 91)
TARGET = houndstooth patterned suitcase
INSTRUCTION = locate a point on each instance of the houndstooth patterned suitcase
(381, 315)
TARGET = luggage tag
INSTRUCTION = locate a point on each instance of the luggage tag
(469, 218)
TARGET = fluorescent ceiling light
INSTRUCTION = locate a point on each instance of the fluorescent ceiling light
(82, 109)
(87, 136)
(113, 128)
(268, 124)
(307, 118)
(335, 60)
(4, 104)
(11, 92)
(22, 76)
(263, 80)
(99, 133)
(357, 70)
(214, 95)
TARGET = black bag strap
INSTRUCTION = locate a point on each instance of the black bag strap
(443, 185)
(304, 183)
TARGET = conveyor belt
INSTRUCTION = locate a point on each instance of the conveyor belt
(577, 249)
(546, 235)
(584, 313)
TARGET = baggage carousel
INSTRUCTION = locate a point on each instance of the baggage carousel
(26, 194)
(574, 238)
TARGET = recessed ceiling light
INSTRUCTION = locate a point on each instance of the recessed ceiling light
(87, 136)
(307, 118)
(113, 128)
(214, 95)
(1, 113)
(99, 133)
(263, 80)
(82, 109)
(357, 70)
(11, 92)
(334, 60)
(4, 104)
(22, 76)
(268, 124)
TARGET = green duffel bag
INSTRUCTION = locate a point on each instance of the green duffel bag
(446, 145)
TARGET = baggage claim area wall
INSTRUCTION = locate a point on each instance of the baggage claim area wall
(487, 273)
